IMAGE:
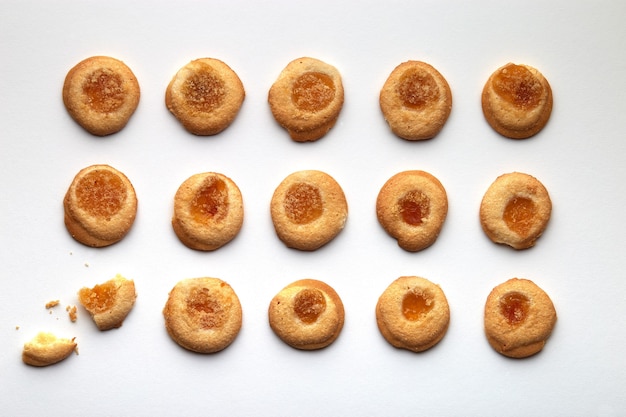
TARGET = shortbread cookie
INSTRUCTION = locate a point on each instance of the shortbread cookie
(203, 314)
(205, 96)
(416, 101)
(413, 314)
(307, 98)
(308, 209)
(208, 211)
(517, 101)
(100, 206)
(101, 94)
(110, 302)
(519, 318)
(412, 207)
(47, 349)
(515, 210)
(307, 314)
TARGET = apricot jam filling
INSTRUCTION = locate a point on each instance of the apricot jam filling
(415, 305)
(414, 207)
(417, 89)
(514, 307)
(201, 304)
(309, 304)
(519, 215)
(518, 86)
(303, 203)
(313, 91)
(104, 91)
(210, 202)
(101, 193)
(99, 298)
(204, 90)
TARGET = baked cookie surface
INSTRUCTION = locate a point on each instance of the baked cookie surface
(412, 207)
(517, 101)
(519, 318)
(205, 96)
(47, 349)
(307, 98)
(100, 206)
(413, 314)
(101, 94)
(203, 314)
(515, 210)
(307, 314)
(416, 101)
(208, 211)
(110, 302)
(308, 209)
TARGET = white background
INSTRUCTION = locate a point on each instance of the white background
(138, 371)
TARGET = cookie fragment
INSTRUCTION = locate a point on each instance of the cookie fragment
(47, 349)
(108, 303)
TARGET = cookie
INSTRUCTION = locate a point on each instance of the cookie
(412, 207)
(413, 314)
(308, 209)
(101, 94)
(100, 206)
(416, 101)
(517, 101)
(205, 96)
(515, 210)
(208, 211)
(519, 318)
(307, 314)
(203, 314)
(47, 349)
(307, 98)
(110, 302)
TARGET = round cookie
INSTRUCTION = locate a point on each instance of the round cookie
(413, 314)
(412, 207)
(101, 94)
(208, 211)
(416, 101)
(307, 314)
(205, 96)
(110, 302)
(203, 314)
(307, 98)
(515, 210)
(100, 206)
(47, 349)
(308, 209)
(517, 101)
(519, 318)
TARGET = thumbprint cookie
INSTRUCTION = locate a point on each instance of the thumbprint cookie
(100, 206)
(306, 98)
(203, 314)
(308, 209)
(515, 210)
(47, 349)
(517, 101)
(519, 318)
(416, 101)
(205, 96)
(413, 314)
(110, 302)
(412, 207)
(208, 211)
(101, 94)
(307, 314)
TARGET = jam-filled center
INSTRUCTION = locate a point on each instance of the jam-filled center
(416, 304)
(104, 91)
(101, 193)
(204, 90)
(414, 207)
(202, 305)
(309, 304)
(210, 202)
(519, 215)
(303, 203)
(514, 307)
(99, 298)
(417, 89)
(518, 86)
(313, 91)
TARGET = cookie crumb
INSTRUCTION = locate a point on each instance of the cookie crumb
(71, 310)
(51, 304)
